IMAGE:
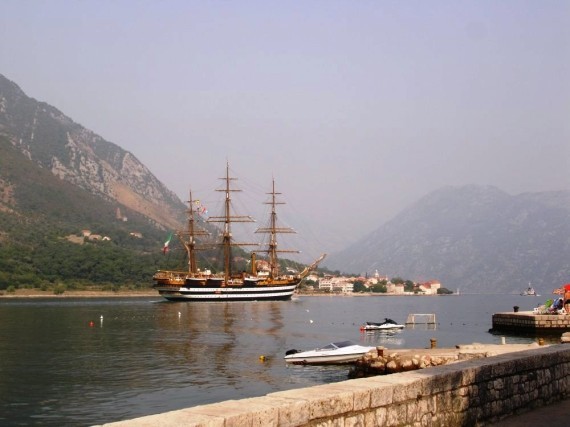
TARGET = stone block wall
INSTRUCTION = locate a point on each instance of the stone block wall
(470, 393)
(527, 321)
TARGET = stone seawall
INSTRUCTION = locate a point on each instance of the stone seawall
(527, 321)
(470, 393)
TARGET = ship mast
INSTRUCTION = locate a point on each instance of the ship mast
(227, 220)
(273, 230)
(188, 237)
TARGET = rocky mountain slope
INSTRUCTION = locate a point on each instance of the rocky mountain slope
(478, 239)
(77, 155)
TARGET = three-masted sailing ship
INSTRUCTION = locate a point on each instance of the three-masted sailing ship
(195, 284)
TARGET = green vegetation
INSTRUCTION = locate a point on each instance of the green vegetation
(43, 210)
(358, 286)
(50, 263)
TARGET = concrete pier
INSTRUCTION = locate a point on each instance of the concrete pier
(527, 321)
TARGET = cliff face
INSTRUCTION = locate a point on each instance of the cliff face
(77, 155)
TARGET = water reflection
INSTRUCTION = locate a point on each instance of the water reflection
(423, 326)
(149, 355)
(383, 338)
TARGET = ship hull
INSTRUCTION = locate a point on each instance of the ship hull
(238, 293)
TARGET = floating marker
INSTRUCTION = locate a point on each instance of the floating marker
(91, 323)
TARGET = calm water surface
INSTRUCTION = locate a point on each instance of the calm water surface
(147, 356)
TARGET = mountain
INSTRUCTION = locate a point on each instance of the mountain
(476, 238)
(54, 142)
(42, 224)
(58, 181)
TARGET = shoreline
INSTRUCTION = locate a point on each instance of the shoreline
(36, 293)
(96, 293)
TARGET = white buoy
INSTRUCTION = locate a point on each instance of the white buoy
(311, 320)
(179, 314)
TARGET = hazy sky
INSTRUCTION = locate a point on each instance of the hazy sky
(357, 108)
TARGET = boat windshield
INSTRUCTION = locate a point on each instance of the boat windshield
(335, 345)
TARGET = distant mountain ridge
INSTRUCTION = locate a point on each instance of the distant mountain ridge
(476, 238)
(77, 155)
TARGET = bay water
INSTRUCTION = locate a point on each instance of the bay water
(87, 361)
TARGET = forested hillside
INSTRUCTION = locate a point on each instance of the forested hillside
(39, 213)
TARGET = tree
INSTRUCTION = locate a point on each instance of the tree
(359, 286)
(379, 288)
(409, 286)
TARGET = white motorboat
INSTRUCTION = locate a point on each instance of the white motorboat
(529, 292)
(331, 354)
(387, 324)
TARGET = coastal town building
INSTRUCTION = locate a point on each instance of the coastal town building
(345, 284)
(312, 277)
(429, 288)
(97, 237)
(376, 278)
(336, 284)
(395, 288)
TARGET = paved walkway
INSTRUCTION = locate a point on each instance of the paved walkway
(555, 415)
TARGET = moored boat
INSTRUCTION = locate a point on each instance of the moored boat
(253, 285)
(387, 324)
(529, 292)
(334, 353)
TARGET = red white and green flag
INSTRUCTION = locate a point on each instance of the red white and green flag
(165, 248)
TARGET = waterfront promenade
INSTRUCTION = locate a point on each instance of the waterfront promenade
(494, 385)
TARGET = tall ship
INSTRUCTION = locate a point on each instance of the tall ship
(254, 284)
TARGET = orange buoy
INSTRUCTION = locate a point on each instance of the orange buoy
(91, 324)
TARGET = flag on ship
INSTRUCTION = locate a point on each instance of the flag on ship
(165, 248)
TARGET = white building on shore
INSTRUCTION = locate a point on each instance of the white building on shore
(336, 284)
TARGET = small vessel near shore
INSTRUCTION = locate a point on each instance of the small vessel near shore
(529, 292)
(332, 354)
(386, 325)
(263, 284)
